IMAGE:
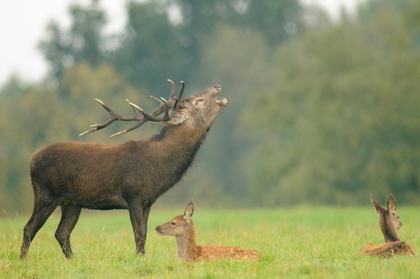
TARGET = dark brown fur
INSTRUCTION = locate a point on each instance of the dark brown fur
(131, 175)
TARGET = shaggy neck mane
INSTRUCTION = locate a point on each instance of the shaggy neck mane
(180, 136)
(179, 145)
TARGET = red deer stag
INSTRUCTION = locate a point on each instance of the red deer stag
(183, 229)
(390, 223)
(130, 175)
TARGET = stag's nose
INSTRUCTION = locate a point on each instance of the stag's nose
(218, 87)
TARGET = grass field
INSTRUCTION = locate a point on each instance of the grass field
(295, 243)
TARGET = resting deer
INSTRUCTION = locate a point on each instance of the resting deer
(183, 229)
(390, 223)
(130, 175)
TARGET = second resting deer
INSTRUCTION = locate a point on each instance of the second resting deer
(390, 223)
(183, 229)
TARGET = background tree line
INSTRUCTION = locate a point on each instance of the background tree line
(320, 112)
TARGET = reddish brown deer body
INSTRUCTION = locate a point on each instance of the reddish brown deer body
(389, 223)
(131, 175)
(183, 229)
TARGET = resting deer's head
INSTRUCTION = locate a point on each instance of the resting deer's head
(179, 225)
(388, 218)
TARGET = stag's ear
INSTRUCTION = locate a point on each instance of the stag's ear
(391, 205)
(189, 210)
(375, 204)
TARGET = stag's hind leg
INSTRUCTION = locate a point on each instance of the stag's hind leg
(69, 215)
(43, 207)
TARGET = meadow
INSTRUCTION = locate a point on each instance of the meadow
(301, 242)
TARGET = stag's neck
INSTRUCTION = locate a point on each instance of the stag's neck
(177, 145)
(180, 136)
(166, 156)
(388, 230)
(186, 245)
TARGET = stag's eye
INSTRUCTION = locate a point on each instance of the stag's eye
(173, 223)
(199, 101)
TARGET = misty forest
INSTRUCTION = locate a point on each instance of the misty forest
(321, 111)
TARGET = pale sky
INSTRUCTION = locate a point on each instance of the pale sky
(23, 23)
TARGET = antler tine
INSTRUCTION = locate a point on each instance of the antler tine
(87, 132)
(172, 94)
(180, 93)
(182, 89)
(151, 117)
(141, 122)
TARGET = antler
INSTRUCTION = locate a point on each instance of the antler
(168, 106)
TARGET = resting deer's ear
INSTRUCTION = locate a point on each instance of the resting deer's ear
(189, 210)
(375, 204)
(391, 205)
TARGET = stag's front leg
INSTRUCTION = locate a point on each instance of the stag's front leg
(138, 217)
(143, 226)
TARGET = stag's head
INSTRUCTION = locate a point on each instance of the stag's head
(198, 111)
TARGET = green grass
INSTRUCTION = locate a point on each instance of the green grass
(295, 243)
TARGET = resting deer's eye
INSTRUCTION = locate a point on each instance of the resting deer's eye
(173, 223)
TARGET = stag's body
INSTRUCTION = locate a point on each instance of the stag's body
(121, 172)
(131, 175)
(183, 229)
(389, 223)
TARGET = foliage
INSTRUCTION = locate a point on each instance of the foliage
(84, 41)
(280, 21)
(150, 48)
(29, 108)
(342, 120)
(295, 243)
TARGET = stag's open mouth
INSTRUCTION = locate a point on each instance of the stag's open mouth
(222, 103)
